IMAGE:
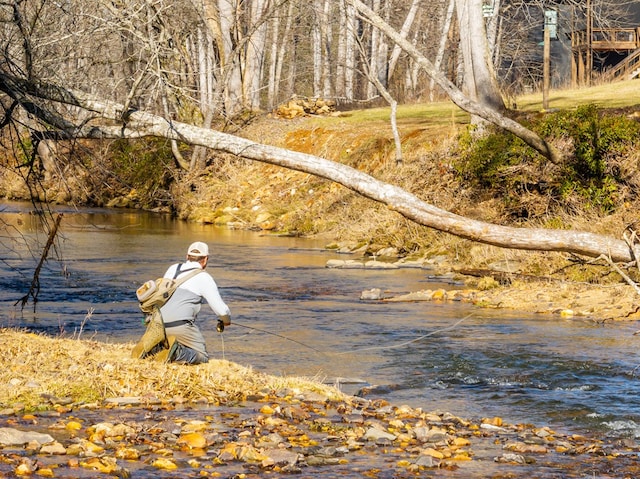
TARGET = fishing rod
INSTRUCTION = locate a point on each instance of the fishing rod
(278, 335)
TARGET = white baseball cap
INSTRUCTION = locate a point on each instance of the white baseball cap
(198, 249)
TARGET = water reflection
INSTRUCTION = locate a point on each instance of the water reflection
(525, 368)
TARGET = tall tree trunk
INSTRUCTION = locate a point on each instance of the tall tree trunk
(272, 78)
(317, 47)
(375, 38)
(222, 20)
(207, 104)
(321, 49)
(254, 47)
(327, 35)
(492, 31)
(479, 80)
(341, 55)
(446, 27)
(350, 53)
(413, 72)
(280, 46)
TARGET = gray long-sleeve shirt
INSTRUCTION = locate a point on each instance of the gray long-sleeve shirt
(186, 302)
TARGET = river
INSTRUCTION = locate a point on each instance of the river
(294, 316)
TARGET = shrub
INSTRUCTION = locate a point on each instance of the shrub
(484, 161)
(597, 141)
(504, 165)
(144, 165)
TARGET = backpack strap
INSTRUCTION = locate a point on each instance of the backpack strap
(177, 282)
(175, 275)
(174, 285)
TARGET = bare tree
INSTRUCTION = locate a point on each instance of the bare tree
(278, 53)
(446, 26)
(480, 83)
(346, 54)
(464, 102)
(404, 31)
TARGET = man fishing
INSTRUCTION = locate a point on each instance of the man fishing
(184, 340)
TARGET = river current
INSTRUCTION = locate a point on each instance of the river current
(294, 316)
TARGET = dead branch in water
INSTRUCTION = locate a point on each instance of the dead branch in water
(34, 289)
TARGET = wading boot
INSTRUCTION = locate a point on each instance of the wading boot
(167, 355)
(153, 336)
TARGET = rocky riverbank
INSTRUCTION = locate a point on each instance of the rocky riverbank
(64, 415)
(552, 297)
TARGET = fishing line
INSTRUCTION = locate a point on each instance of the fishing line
(437, 331)
(448, 328)
(278, 335)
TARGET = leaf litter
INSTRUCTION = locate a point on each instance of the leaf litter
(74, 408)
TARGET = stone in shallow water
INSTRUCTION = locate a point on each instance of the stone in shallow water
(379, 265)
(375, 434)
(124, 401)
(54, 448)
(15, 437)
(346, 264)
(280, 457)
(371, 294)
(166, 464)
(427, 461)
(193, 440)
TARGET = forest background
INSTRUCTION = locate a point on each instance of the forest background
(317, 77)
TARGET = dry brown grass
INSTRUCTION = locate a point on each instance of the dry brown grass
(619, 94)
(37, 371)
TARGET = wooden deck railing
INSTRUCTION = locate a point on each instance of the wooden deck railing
(625, 70)
(607, 39)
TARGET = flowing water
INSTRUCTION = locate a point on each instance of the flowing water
(294, 316)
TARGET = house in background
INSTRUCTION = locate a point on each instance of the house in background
(582, 52)
(612, 53)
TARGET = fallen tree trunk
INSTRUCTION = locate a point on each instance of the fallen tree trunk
(141, 124)
(583, 243)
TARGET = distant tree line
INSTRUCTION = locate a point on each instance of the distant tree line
(199, 59)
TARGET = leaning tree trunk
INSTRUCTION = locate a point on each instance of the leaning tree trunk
(396, 198)
(107, 123)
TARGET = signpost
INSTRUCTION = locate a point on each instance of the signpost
(550, 32)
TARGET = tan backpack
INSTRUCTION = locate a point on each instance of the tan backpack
(153, 295)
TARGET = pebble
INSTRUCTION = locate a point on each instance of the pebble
(53, 448)
(124, 401)
(375, 434)
(280, 457)
(294, 435)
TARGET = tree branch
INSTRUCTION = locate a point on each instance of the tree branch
(472, 107)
